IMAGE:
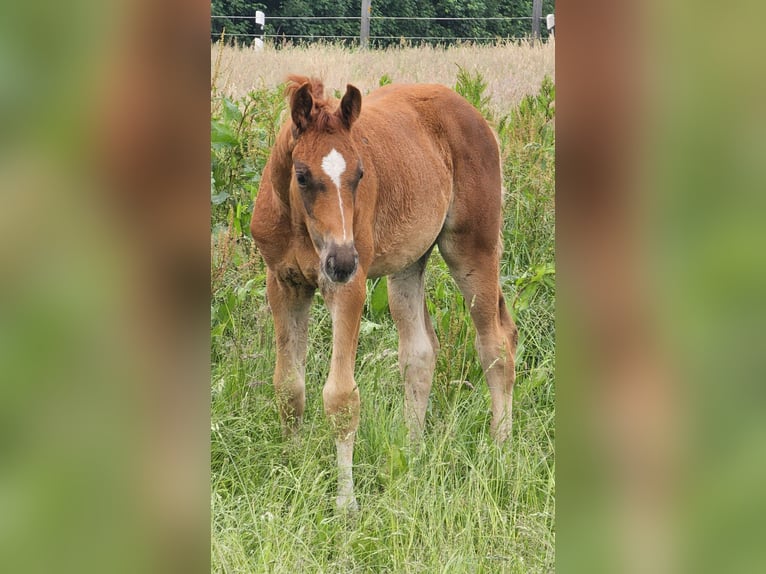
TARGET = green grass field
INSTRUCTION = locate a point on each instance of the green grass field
(459, 503)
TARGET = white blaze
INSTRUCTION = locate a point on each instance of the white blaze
(334, 165)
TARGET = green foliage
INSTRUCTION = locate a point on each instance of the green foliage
(527, 142)
(318, 27)
(385, 79)
(530, 282)
(539, 104)
(379, 298)
(241, 133)
(236, 25)
(389, 31)
(472, 88)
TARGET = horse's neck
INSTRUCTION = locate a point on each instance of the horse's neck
(280, 168)
(280, 165)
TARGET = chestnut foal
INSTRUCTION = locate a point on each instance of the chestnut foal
(351, 193)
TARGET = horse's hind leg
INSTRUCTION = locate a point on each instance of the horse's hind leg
(473, 259)
(418, 344)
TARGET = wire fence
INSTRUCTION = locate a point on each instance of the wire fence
(397, 38)
(435, 18)
(274, 32)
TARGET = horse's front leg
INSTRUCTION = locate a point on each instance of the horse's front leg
(290, 305)
(340, 394)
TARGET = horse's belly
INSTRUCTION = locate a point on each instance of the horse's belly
(399, 249)
(389, 263)
(413, 199)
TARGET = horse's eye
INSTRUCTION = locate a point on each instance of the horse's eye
(301, 177)
(361, 174)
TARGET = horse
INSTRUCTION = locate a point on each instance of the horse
(354, 192)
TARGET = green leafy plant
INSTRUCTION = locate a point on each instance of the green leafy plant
(530, 282)
(241, 133)
(472, 86)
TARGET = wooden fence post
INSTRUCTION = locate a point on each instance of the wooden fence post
(364, 32)
(537, 15)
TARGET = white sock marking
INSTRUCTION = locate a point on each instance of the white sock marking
(345, 450)
(334, 165)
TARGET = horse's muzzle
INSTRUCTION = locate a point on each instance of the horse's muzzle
(341, 262)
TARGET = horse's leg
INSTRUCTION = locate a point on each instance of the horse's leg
(418, 344)
(290, 307)
(476, 270)
(340, 393)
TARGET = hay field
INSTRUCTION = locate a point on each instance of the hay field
(512, 70)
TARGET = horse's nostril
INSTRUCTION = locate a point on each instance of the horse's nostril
(341, 263)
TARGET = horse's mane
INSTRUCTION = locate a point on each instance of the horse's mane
(323, 113)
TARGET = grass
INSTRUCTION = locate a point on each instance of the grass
(459, 503)
(512, 70)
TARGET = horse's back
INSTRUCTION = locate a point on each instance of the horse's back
(453, 124)
(439, 108)
(467, 145)
(412, 170)
(437, 166)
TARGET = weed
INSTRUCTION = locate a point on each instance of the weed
(241, 134)
(472, 86)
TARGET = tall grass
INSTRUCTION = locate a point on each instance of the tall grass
(457, 504)
(511, 70)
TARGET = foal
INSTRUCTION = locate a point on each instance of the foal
(350, 194)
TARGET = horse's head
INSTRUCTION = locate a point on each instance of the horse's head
(326, 172)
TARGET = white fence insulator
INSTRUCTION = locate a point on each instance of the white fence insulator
(550, 21)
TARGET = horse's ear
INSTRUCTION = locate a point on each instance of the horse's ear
(350, 106)
(301, 105)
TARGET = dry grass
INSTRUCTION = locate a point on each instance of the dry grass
(511, 70)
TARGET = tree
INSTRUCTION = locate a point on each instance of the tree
(392, 30)
(232, 26)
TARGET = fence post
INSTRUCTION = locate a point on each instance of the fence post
(537, 15)
(364, 32)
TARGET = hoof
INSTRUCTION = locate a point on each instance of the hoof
(347, 504)
(502, 433)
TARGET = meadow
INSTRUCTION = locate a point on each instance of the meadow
(459, 503)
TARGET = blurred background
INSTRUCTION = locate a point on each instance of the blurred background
(104, 240)
(660, 201)
(104, 263)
